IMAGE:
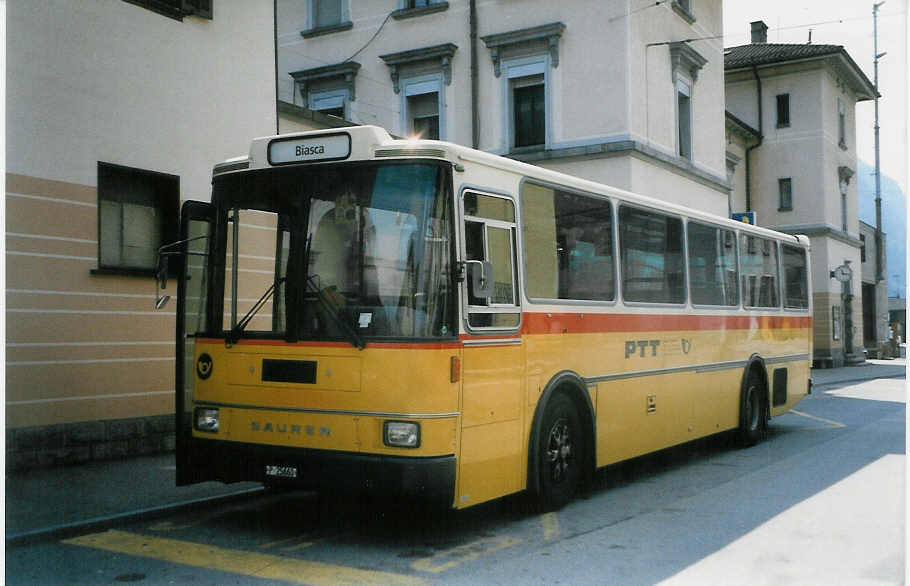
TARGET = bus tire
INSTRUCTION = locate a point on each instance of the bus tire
(753, 418)
(560, 453)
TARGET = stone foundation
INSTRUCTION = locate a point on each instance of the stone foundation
(75, 443)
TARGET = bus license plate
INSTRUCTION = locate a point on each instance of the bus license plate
(281, 471)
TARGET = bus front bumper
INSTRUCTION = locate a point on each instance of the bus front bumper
(428, 478)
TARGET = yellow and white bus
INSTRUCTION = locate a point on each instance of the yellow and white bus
(420, 319)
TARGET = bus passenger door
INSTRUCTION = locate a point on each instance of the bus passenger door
(490, 460)
(196, 223)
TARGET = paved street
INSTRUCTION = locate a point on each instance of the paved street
(821, 501)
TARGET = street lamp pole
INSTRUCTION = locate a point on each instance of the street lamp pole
(878, 171)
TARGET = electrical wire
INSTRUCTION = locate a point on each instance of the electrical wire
(376, 34)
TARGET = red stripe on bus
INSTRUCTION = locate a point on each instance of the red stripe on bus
(589, 323)
(316, 344)
(576, 323)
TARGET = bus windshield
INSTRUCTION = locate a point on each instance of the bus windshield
(349, 251)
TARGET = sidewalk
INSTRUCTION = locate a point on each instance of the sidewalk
(870, 370)
(53, 502)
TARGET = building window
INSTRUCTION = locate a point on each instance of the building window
(327, 16)
(529, 111)
(684, 118)
(177, 9)
(685, 63)
(412, 8)
(329, 102)
(329, 89)
(423, 111)
(422, 107)
(862, 248)
(785, 194)
(783, 110)
(527, 84)
(423, 97)
(137, 213)
(326, 13)
(409, 4)
(841, 124)
(684, 9)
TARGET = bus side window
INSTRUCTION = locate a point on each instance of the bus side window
(489, 235)
(474, 250)
(712, 265)
(796, 294)
(568, 239)
(758, 261)
(651, 256)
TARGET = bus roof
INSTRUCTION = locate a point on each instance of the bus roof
(370, 143)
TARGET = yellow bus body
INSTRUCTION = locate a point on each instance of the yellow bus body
(654, 376)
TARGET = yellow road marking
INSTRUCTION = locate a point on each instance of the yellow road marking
(299, 546)
(171, 526)
(448, 559)
(283, 544)
(817, 418)
(258, 565)
(551, 528)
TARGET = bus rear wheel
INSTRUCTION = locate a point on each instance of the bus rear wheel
(753, 417)
(559, 454)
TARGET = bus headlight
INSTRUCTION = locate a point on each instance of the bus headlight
(206, 419)
(401, 434)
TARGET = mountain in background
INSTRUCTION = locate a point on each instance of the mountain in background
(894, 224)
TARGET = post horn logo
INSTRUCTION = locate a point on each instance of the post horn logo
(204, 366)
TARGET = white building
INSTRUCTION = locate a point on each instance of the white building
(794, 131)
(608, 91)
(116, 112)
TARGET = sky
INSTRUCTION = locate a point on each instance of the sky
(848, 23)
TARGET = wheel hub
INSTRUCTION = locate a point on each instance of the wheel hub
(559, 450)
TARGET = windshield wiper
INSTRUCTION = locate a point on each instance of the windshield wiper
(333, 310)
(234, 335)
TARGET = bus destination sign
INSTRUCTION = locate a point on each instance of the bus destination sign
(330, 147)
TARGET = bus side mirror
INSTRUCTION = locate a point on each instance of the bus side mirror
(480, 277)
(161, 282)
(162, 271)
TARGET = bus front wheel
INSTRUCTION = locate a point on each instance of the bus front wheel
(753, 414)
(560, 453)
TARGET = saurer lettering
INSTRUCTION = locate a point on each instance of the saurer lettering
(293, 429)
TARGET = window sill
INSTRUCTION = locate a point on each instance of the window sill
(404, 13)
(785, 209)
(122, 272)
(783, 126)
(327, 30)
(682, 12)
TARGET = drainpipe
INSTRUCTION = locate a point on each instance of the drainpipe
(475, 121)
(275, 48)
(754, 146)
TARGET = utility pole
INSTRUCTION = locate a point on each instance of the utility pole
(878, 171)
